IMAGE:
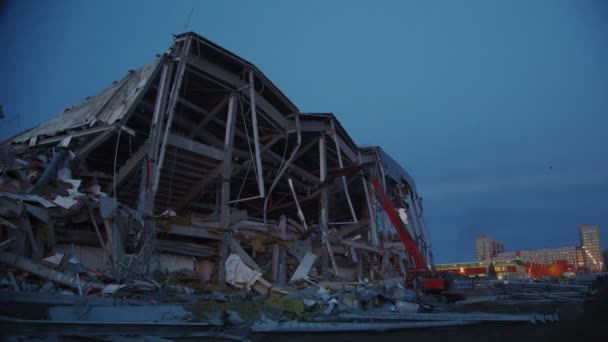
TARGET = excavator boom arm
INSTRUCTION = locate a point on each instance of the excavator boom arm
(408, 243)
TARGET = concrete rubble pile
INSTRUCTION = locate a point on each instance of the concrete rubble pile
(194, 191)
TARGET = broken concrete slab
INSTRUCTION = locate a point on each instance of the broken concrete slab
(302, 271)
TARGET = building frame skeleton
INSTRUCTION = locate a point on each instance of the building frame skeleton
(203, 133)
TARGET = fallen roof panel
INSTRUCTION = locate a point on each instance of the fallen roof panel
(107, 107)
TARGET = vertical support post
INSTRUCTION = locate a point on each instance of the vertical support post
(324, 202)
(256, 138)
(402, 266)
(414, 214)
(225, 192)
(107, 250)
(360, 269)
(324, 219)
(373, 224)
(423, 230)
(341, 163)
(147, 190)
(147, 200)
(415, 219)
(115, 234)
(283, 251)
(142, 194)
(357, 262)
(279, 268)
(430, 258)
(385, 262)
(385, 225)
(275, 262)
(177, 83)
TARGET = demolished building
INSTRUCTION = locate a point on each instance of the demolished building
(194, 157)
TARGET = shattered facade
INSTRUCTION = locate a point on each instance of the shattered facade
(193, 158)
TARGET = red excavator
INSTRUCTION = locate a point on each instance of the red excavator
(419, 276)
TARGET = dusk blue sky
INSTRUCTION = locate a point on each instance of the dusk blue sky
(499, 109)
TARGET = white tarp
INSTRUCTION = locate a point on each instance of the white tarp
(240, 275)
(403, 215)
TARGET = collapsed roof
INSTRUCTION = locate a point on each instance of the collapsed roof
(195, 129)
(201, 131)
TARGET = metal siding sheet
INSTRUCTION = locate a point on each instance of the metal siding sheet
(396, 171)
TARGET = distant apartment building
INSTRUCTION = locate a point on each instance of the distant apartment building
(592, 247)
(588, 257)
(546, 256)
(487, 248)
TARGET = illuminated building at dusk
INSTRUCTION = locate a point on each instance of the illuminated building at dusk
(585, 258)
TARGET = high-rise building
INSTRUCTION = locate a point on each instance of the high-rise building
(592, 247)
(487, 248)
